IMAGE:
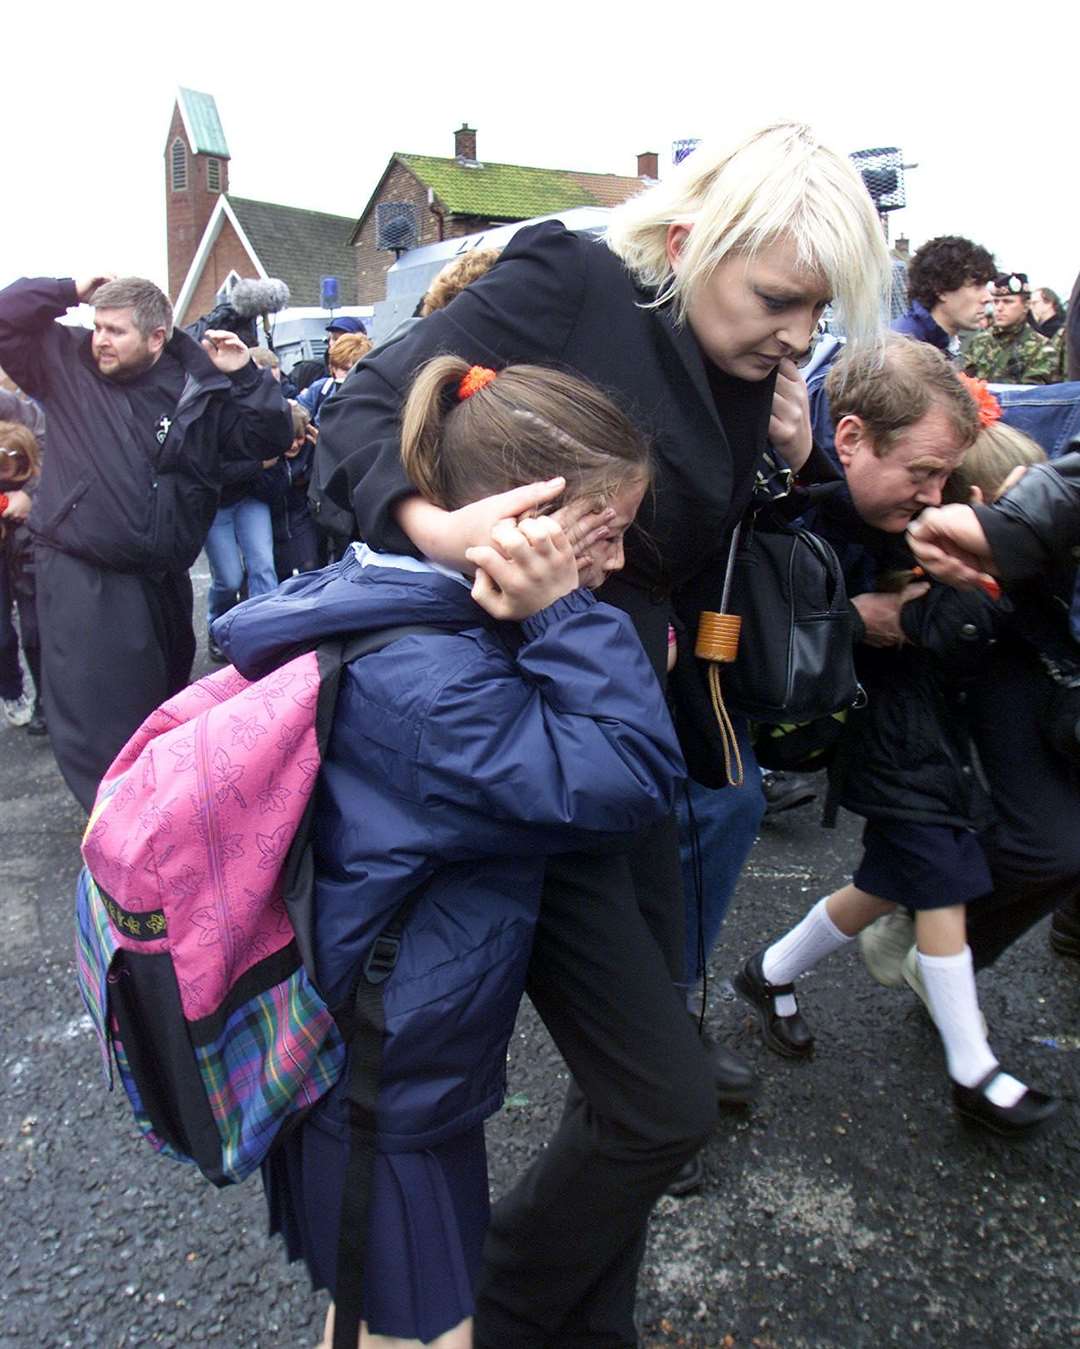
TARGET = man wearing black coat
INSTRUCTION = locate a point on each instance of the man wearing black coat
(139, 417)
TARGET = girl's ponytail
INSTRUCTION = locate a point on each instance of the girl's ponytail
(422, 425)
(469, 432)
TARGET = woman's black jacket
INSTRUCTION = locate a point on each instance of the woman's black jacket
(563, 299)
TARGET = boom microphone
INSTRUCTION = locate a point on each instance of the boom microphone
(251, 297)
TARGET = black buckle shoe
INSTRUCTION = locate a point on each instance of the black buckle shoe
(787, 1035)
(736, 1082)
(974, 1105)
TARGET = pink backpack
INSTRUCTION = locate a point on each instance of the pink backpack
(196, 853)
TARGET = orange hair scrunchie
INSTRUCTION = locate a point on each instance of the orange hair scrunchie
(475, 378)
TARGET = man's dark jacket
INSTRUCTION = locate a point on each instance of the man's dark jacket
(919, 323)
(103, 497)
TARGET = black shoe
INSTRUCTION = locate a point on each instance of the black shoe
(785, 791)
(36, 725)
(787, 1035)
(689, 1178)
(736, 1081)
(974, 1104)
(215, 652)
(1065, 932)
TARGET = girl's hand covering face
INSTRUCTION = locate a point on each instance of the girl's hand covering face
(584, 522)
(446, 536)
(528, 565)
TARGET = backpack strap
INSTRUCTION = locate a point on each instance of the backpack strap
(298, 870)
(360, 1018)
(363, 1023)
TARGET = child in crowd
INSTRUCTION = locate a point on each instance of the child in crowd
(530, 724)
(343, 353)
(908, 768)
(20, 465)
(298, 544)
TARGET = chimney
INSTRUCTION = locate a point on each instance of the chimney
(648, 165)
(465, 142)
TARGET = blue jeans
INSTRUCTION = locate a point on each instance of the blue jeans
(241, 540)
(726, 822)
(1048, 413)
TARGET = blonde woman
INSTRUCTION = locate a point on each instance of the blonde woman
(691, 314)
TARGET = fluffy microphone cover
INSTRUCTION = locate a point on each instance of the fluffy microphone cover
(252, 297)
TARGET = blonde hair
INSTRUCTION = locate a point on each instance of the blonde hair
(264, 358)
(997, 450)
(527, 424)
(779, 183)
(455, 276)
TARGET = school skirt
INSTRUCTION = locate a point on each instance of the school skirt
(922, 866)
(428, 1217)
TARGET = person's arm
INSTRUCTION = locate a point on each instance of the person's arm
(573, 740)
(1035, 525)
(257, 420)
(28, 308)
(522, 310)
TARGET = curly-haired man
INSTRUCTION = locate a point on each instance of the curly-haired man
(947, 283)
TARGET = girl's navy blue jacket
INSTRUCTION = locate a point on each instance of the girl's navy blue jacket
(458, 760)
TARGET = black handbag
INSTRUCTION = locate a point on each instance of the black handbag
(795, 661)
(774, 639)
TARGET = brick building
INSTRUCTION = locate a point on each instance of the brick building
(212, 233)
(464, 195)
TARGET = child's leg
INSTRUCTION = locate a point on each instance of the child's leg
(830, 924)
(945, 965)
(460, 1337)
(766, 980)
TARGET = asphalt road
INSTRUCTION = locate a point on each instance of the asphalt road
(848, 1208)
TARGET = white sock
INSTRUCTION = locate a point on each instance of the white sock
(799, 950)
(950, 986)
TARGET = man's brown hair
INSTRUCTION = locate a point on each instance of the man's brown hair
(149, 305)
(891, 392)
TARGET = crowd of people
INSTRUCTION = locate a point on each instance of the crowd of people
(574, 413)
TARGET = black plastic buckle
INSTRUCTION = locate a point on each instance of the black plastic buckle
(382, 958)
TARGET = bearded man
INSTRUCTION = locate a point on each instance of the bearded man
(140, 416)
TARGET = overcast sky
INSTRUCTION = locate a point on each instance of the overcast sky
(314, 99)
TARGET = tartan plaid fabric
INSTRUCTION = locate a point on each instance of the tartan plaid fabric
(274, 1056)
(94, 950)
(278, 1054)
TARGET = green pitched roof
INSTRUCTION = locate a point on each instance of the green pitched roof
(515, 191)
(300, 246)
(201, 121)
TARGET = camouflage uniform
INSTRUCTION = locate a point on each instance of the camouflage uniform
(1014, 355)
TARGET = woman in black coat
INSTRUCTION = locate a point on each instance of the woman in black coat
(690, 314)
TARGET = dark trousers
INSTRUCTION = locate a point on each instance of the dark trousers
(1034, 848)
(564, 1246)
(17, 590)
(114, 645)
